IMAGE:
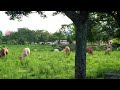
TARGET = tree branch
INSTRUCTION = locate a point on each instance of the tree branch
(72, 15)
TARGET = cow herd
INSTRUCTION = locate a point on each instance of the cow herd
(26, 51)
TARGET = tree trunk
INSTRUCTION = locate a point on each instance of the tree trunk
(80, 20)
(80, 56)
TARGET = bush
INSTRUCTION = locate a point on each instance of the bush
(115, 45)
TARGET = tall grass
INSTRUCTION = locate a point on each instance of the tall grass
(99, 64)
(43, 64)
(46, 64)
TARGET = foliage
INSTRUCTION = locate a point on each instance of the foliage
(69, 32)
(5, 39)
(18, 14)
(42, 36)
(116, 40)
(25, 35)
(59, 35)
(102, 26)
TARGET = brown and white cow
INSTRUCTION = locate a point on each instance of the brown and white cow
(67, 50)
(3, 52)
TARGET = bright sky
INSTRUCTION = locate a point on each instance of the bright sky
(34, 22)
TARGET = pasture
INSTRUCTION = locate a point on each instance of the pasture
(43, 64)
(99, 64)
(46, 64)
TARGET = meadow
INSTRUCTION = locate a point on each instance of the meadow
(99, 64)
(46, 64)
(43, 64)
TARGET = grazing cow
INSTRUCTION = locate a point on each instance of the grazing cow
(3, 52)
(89, 51)
(25, 53)
(67, 50)
(56, 50)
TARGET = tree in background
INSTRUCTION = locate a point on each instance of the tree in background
(69, 32)
(102, 26)
(42, 36)
(59, 35)
(25, 35)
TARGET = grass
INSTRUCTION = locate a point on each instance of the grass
(46, 64)
(99, 64)
(43, 64)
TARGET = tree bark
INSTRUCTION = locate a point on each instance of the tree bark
(80, 55)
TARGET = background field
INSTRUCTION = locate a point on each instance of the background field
(46, 64)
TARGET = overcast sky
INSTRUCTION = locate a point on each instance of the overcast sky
(34, 22)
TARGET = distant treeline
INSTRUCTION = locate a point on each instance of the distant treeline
(27, 36)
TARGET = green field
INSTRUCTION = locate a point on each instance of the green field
(43, 64)
(99, 64)
(46, 64)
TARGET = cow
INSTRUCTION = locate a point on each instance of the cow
(3, 52)
(56, 50)
(67, 50)
(89, 51)
(25, 53)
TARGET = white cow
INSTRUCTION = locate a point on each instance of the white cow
(25, 53)
(56, 50)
